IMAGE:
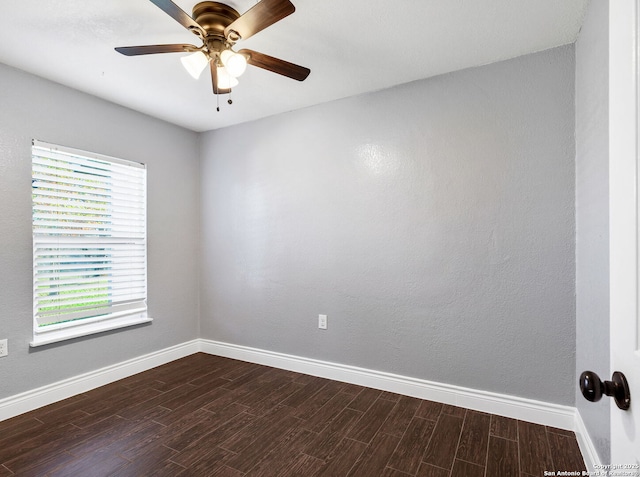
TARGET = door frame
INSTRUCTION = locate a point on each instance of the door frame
(623, 218)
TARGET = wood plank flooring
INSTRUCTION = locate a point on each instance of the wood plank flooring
(209, 416)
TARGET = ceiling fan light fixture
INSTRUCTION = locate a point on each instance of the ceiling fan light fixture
(219, 27)
(195, 63)
(225, 80)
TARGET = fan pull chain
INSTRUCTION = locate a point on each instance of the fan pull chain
(230, 101)
(218, 102)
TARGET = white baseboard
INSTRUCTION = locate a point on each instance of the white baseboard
(45, 395)
(589, 452)
(539, 412)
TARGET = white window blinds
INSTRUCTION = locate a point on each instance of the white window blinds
(89, 237)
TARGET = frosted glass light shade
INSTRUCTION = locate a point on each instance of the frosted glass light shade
(235, 63)
(225, 80)
(195, 63)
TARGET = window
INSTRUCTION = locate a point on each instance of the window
(89, 243)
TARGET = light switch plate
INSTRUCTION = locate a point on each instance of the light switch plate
(322, 322)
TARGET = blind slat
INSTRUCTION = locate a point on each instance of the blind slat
(79, 157)
(89, 312)
(49, 295)
(53, 294)
(65, 261)
(83, 283)
(52, 306)
(39, 207)
(91, 175)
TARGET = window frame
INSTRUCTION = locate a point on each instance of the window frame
(113, 319)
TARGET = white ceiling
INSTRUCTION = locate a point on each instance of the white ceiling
(351, 47)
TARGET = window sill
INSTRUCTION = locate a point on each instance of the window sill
(54, 336)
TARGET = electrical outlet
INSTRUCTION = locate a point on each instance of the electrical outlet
(322, 322)
(4, 348)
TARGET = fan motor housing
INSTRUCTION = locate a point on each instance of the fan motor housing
(214, 17)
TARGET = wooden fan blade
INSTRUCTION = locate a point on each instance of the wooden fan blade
(214, 79)
(275, 65)
(179, 15)
(259, 17)
(152, 49)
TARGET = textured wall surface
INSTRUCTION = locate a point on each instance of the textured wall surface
(592, 216)
(32, 108)
(432, 222)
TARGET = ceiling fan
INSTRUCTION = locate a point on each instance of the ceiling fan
(219, 27)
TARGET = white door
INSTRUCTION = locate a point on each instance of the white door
(624, 207)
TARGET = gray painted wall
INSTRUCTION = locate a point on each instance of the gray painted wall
(433, 223)
(592, 216)
(35, 108)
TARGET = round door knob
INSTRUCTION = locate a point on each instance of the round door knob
(593, 388)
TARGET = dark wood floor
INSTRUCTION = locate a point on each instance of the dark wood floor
(205, 415)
